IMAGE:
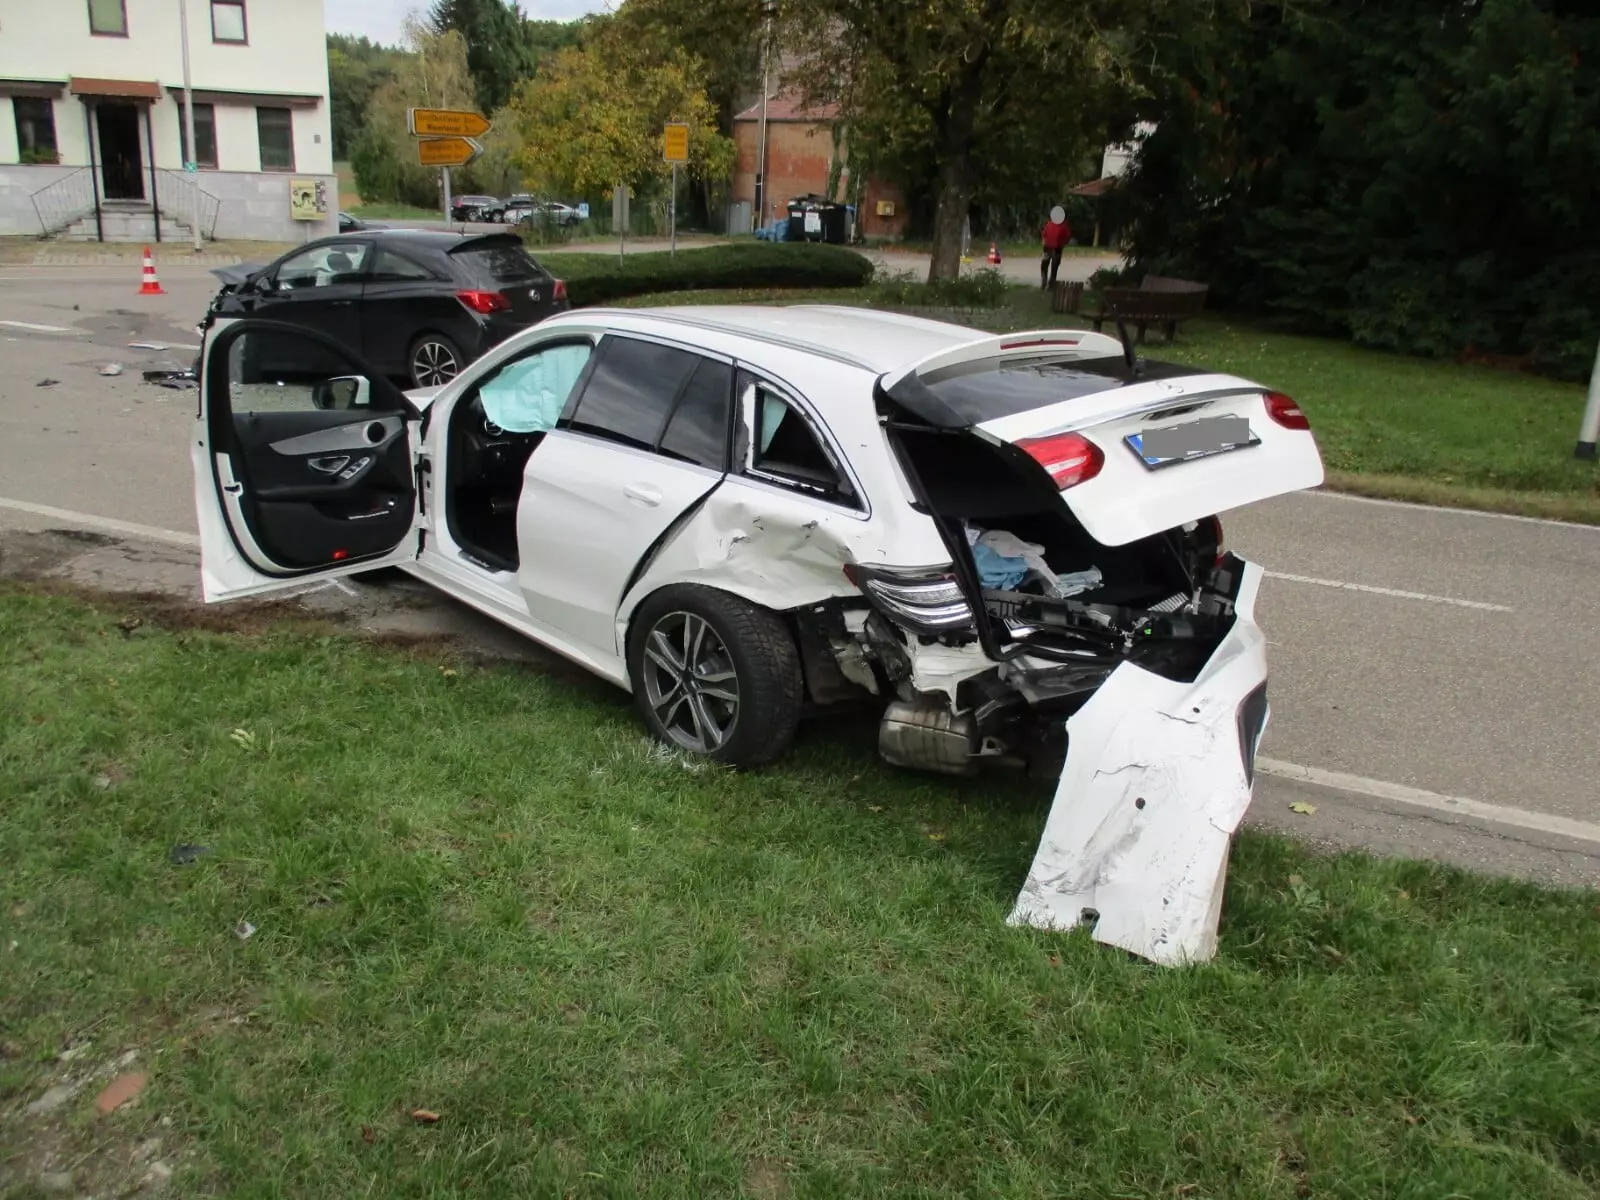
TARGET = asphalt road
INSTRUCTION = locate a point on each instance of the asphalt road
(1424, 661)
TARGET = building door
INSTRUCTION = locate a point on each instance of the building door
(121, 162)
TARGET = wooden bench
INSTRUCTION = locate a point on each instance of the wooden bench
(1159, 300)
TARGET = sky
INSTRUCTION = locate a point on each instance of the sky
(380, 19)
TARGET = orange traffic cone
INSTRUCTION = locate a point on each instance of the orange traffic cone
(994, 253)
(152, 285)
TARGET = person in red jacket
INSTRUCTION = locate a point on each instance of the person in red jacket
(1057, 233)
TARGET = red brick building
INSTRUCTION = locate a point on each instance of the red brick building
(799, 149)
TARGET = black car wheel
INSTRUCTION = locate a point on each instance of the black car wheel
(435, 361)
(715, 675)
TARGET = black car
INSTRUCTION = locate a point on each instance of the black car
(416, 304)
(474, 208)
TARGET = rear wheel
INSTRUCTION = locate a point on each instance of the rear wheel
(435, 361)
(715, 675)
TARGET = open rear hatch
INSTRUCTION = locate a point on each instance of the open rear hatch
(1079, 496)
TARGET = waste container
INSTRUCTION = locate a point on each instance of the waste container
(817, 219)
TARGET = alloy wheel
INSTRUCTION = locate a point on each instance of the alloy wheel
(690, 682)
(434, 364)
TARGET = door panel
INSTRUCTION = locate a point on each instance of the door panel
(590, 510)
(298, 477)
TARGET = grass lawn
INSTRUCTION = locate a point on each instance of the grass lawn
(475, 891)
(394, 212)
(1407, 428)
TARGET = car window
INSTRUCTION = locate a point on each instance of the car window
(391, 268)
(787, 451)
(698, 429)
(321, 266)
(498, 263)
(278, 370)
(632, 391)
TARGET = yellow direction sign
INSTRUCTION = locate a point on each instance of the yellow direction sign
(446, 122)
(447, 152)
(675, 143)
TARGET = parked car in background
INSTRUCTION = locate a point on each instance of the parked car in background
(474, 208)
(742, 513)
(349, 224)
(418, 305)
(516, 207)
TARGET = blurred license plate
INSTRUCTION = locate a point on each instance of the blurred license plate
(1192, 440)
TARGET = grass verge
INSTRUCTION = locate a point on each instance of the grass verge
(478, 892)
(1457, 435)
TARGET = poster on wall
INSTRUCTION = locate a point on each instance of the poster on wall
(308, 199)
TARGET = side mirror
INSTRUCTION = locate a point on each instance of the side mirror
(344, 392)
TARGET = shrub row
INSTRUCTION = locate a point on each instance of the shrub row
(601, 278)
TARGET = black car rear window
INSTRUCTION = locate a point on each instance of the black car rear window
(498, 263)
(969, 393)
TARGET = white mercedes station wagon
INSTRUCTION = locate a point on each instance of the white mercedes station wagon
(742, 515)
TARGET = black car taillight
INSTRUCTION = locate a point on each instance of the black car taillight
(560, 292)
(484, 302)
(927, 602)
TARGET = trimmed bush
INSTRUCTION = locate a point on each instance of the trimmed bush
(601, 278)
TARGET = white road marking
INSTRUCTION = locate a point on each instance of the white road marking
(1458, 806)
(1395, 592)
(1460, 512)
(343, 587)
(172, 537)
(35, 328)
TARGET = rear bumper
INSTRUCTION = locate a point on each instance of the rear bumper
(1158, 776)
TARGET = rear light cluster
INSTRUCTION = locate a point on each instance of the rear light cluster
(1068, 458)
(560, 292)
(484, 302)
(923, 602)
(1285, 411)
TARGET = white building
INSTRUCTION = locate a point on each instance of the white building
(91, 119)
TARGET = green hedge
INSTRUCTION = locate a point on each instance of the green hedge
(601, 278)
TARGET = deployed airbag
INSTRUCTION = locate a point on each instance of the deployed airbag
(527, 396)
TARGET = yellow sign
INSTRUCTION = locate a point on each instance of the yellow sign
(675, 142)
(308, 199)
(447, 152)
(446, 122)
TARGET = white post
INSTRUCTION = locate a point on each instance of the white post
(445, 171)
(1589, 431)
(193, 175)
(673, 210)
(761, 149)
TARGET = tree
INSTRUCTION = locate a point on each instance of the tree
(593, 118)
(434, 74)
(356, 69)
(498, 50)
(963, 96)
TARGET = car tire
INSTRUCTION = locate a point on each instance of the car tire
(751, 656)
(434, 360)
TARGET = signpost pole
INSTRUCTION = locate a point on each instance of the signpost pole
(673, 208)
(1589, 431)
(192, 160)
(445, 171)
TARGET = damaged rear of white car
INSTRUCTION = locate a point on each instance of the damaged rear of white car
(1089, 596)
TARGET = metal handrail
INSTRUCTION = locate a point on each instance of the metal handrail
(177, 195)
(59, 204)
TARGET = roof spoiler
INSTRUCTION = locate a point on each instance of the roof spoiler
(1069, 343)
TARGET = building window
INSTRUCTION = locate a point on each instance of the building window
(108, 18)
(275, 126)
(227, 21)
(205, 134)
(36, 130)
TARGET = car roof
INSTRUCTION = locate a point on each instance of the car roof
(862, 337)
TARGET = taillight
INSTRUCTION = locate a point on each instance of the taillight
(560, 292)
(484, 302)
(1216, 526)
(1285, 411)
(1069, 458)
(923, 602)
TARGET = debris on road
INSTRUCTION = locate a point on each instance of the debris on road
(185, 378)
(186, 852)
(120, 1091)
(146, 346)
(244, 929)
(47, 383)
(111, 369)
(1304, 809)
(424, 1115)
